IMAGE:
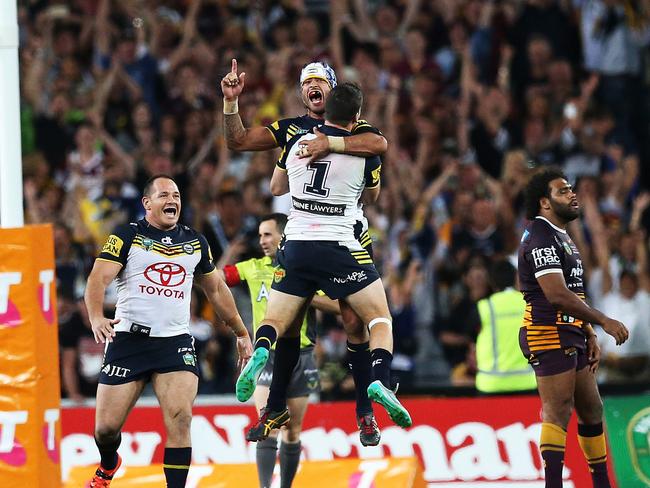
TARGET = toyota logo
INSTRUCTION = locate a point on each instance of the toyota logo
(165, 274)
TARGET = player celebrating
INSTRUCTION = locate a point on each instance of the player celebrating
(557, 337)
(155, 261)
(320, 252)
(316, 82)
(258, 274)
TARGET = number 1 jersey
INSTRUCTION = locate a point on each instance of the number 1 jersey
(325, 193)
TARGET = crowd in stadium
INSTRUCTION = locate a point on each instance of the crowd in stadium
(473, 96)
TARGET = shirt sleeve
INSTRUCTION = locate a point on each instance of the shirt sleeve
(279, 131)
(372, 172)
(363, 127)
(244, 269)
(544, 253)
(286, 152)
(232, 275)
(117, 245)
(205, 264)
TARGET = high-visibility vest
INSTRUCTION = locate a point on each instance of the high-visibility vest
(501, 365)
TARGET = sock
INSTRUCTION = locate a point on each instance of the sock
(176, 464)
(108, 452)
(381, 361)
(289, 461)
(592, 441)
(265, 337)
(287, 354)
(359, 361)
(552, 443)
(265, 454)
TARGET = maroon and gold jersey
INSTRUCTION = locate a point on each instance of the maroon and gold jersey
(546, 248)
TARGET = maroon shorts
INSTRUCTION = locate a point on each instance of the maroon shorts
(553, 361)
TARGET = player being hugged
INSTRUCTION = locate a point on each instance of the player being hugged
(317, 80)
(155, 262)
(320, 252)
(557, 337)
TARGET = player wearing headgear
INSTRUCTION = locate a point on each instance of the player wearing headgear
(320, 252)
(316, 81)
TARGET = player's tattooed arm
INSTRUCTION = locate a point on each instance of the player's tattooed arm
(239, 138)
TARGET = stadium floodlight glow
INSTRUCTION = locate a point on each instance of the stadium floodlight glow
(11, 180)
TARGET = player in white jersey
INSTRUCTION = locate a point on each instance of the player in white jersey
(320, 252)
(317, 79)
(155, 261)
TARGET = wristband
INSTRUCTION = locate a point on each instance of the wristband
(230, 107)
(336, 143)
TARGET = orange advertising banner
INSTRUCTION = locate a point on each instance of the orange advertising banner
(352, 473)
(29, 360)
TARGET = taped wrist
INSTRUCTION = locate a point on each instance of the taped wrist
(230, 107)
(336, 143)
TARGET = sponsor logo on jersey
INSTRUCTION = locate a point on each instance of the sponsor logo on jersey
(188, 358)
(113, 245)
(188, 248)
(147, 244)
(545, 256)
(165, 274)
(166, 240)
(567, 248)
(357, 276)
(318, 208)
(578, 271)
(279, 274)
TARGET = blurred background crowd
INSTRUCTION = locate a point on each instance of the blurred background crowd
(473, 96)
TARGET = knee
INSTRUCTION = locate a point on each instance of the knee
(292, 433)
(593, 413)
(558, 411)
(180, 419)
(105, 434)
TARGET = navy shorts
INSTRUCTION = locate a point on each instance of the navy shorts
(132, 357)
(304, 378)
(307, 266)
(553, 361)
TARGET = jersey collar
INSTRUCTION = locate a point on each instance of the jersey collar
(551, 224)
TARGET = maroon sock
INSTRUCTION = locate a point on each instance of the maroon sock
(552, 444)
(592, 441)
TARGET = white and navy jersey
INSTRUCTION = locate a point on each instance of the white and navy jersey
(325, 194)
(154, 286)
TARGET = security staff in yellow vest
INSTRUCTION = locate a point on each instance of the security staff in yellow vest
(501, 366)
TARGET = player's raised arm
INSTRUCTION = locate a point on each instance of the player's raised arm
(102, 274)
(238, 137)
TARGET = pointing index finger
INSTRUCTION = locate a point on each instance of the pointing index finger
(233, 68)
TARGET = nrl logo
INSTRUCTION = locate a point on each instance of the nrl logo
(147, 244)
(279, 274)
